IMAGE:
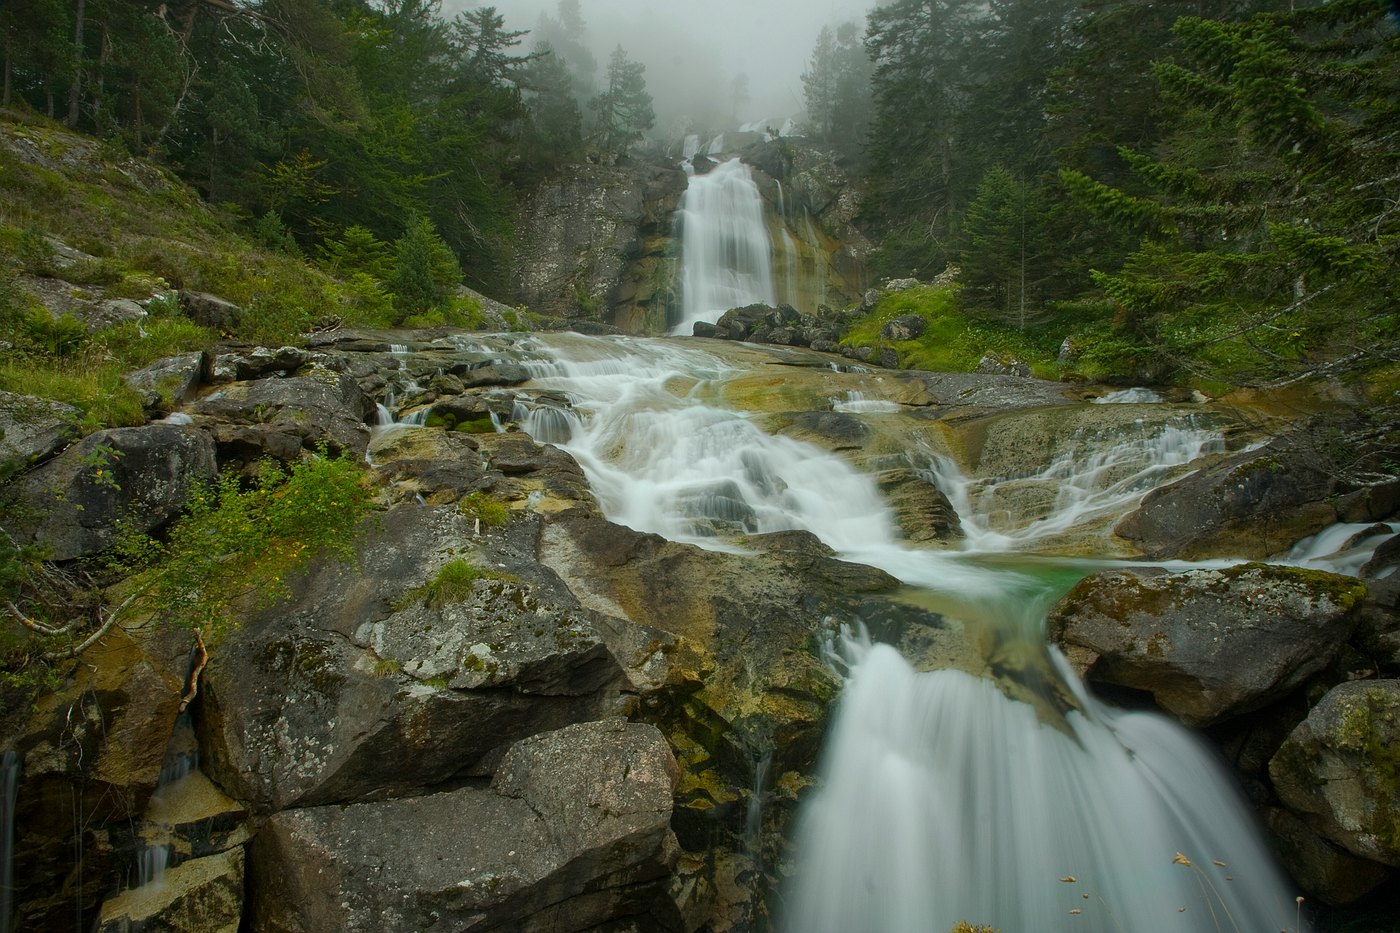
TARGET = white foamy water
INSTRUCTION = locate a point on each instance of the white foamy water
(941, 798)
(1342, 548)
(726, 253)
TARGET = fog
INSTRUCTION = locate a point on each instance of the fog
(693, 51)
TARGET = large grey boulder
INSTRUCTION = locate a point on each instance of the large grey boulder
(1340, 767)
(137, 476)
(168, 383)
(1254, 504)
(573, 832)
(34, 429)
(1207, 644)
(366, 683)
(323, 408)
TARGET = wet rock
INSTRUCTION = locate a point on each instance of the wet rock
(1254, 504)
(703, 329)
(1324, 869)
(1339, 768)
(494, 374)
(440, 466)
(574, 832)
(1207, 644)
(755, 322)
(140, 476)
(834, 430)
(210, 310)
(368, 683)
(923, 511)
(166, 384)
(202, 895)
(322, 409)
(33, 429)
(904, 327)
(992, 366)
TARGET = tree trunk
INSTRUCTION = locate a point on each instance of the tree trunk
(75, 93)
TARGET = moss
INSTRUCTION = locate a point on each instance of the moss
(1346, 593)
(479, 505)
(1368, 725)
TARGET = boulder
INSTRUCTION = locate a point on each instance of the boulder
(202, 895)
(138, 476)
(1254, 504)
(210, 310)
(100, 315)
(904, 327)
(367, 683)
(574, 832)
(923, 511)
(326, 408)
(34, 429)
(992, 366)
(257, 363)
(169, 383)
(1339, 769)
(1323, 869)
(1207, 644)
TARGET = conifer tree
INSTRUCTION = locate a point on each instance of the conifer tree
(623, 111)
(425, 271)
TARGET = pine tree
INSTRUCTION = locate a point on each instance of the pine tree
(425, 270)
(1006, 254)
(623, 111)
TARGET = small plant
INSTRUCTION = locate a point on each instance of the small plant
(477, 505)
(453, 583)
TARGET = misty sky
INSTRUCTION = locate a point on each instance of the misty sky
(693, 49)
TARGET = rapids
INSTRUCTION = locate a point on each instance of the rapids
(941, 798)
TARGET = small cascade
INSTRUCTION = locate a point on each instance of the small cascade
(856, 403)
(1092, 478)
(181, 760)
(1343, 548)
(716, 146)
(9, 790)
(1134, 396)
(690, 147)
(753, 813)
(726, 254)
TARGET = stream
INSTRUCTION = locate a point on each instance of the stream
(941, 797)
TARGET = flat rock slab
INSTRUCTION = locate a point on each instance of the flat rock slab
(574, 831)
(202, 895)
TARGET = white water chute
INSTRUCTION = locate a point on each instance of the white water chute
(727, 255)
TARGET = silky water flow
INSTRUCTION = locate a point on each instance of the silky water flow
(940, 798)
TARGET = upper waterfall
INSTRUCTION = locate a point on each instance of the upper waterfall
(726, 252)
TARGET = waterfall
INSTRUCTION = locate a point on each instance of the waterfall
(9, 788)
(726, 253)
(942, 798)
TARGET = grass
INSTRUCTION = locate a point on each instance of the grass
(492, 513)
(453, 583)
(955, 340)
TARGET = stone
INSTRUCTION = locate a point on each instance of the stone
(494, 374)
(1207, 644)
(703, 329)
(1323, 869)
(1253, 504)
(834, 430)
(1338, 769)
(573, 833)
(110, 312)
(904, 327)
(257, 363)
(202, 895)
(325, 408)
(363, 685)
(33, 429)
(923, 511)
(138, 476)
(169, 383)
(210, 310)
(248, 444)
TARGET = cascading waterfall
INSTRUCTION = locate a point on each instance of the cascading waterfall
(726, 253)
(9, 788)
(942, 798)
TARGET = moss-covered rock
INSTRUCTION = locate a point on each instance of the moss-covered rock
(1340, 769)
(1207, 644)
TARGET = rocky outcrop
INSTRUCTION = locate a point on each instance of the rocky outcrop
(369, 683)
(573, 833)
(169, 383)
(596, 245)
(323, 407)
(199, 896)
(1254, 504)
(75, 504)
(1340, 767)
(1206, 644)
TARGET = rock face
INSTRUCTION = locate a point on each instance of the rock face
(596, 245)
(1340, 766)
(367, 686)
(141, 476)
(573, 832)
(321, 408)
(1207, 644)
